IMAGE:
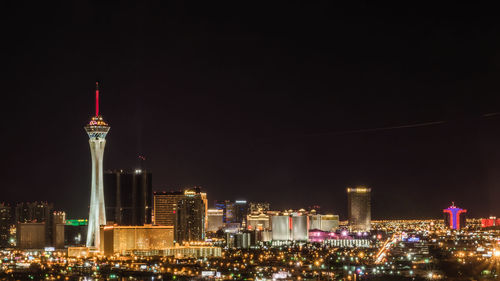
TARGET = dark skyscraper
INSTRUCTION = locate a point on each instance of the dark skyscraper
(240, 211)
(128, 197)
(6, 221)
(33, 212)
(359, 208)
(233, 211)
(227, 210)
(190, 217)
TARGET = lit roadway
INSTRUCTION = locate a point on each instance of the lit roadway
(386, 246)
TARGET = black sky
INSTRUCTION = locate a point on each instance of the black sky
(256, 102)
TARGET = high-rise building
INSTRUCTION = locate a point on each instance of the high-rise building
(58, 223)
(31, 235)
(454, 217)
(323, 222)
(233, 211)
(6, 221)
(204, 198)
(215, 219)
(241, 240)
(190, 217)
(240, 211)
(359, 208)
(97, 130)
(227, 210)
(128, 197)
(39, 213)
(258, 221)
(164, 204)
(33, 212)
(290, 227)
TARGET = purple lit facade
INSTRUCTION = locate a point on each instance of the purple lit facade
(455, 217)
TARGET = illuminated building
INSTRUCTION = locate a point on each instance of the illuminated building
(281, 227)
(259, 221)
(324, 222)
(240, 240)
(215, 220)
(290, 227)
(264, 235)
(126, 239)
(338, 240)
(31, 235)
(348, 243)
(185, 251)
(97, 130)
(6, 221)
(259, 207)
(78, 252)
(35, 212)
(492, 222)
(359, 208)
(300, 228)
(190, 214)
(232, 227)
(164, 204)
(204, 198)
(58, 222)
(33, 217)
(454, 217)
(128, 197)
(75, 232)
(227, 209)
(234, 211)
(315, 222)
(193, 251)
(318, 236)
(240, 211)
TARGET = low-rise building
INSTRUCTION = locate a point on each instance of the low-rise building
(125, 239)
(31, 235)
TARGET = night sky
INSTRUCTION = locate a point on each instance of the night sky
(288, 104)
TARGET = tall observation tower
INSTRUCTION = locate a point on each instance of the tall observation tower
(97, 130)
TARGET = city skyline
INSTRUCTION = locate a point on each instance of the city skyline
(142, 159)
(300, 108)
(268, 142)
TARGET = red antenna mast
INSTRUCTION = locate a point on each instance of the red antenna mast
(96, 99)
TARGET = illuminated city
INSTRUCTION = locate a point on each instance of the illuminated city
(250, 142)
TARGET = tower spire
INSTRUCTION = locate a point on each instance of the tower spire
(96, 99)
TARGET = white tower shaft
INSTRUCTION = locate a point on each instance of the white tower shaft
(97, 130)
(97, 215)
